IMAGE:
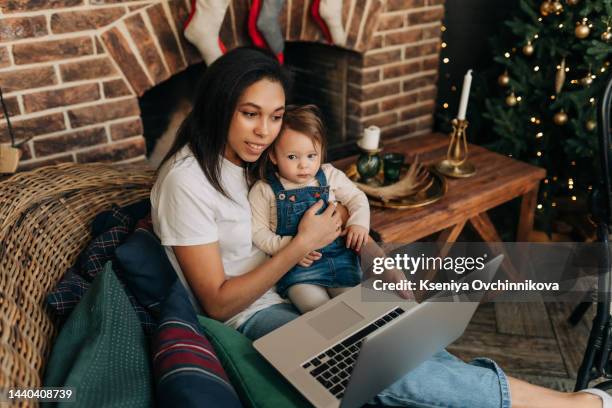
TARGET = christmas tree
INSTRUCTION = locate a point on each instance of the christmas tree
(551, 67)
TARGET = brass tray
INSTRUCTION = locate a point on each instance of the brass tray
(433, 193)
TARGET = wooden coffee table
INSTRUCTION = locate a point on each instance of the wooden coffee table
(498, 179)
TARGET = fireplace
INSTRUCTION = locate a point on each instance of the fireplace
(73, 71)
(320, 74)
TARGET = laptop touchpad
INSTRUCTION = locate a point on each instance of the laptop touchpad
(335, 320)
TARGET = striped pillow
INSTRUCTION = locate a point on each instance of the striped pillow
(187, 370)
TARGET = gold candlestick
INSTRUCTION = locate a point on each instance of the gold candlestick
(456, 163)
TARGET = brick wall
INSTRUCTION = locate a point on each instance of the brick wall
(72, 70)
(393, 83)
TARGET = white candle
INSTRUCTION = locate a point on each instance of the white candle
(371, 137)
(465, 95)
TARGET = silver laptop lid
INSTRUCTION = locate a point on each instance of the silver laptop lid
(393, 350)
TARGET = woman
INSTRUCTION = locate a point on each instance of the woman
(202, 216)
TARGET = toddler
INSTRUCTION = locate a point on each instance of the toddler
(295, 180)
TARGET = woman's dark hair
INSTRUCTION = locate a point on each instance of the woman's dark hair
(205, 129)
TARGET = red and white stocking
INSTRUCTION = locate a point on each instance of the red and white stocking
(203, 26)
(328, 16)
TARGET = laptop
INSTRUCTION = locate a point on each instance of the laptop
(346, 351)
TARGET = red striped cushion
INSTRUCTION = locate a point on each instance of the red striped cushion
(187, 370)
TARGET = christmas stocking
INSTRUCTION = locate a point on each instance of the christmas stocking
(328, 15)
(268, 26)
(254, 33)
(203, 25)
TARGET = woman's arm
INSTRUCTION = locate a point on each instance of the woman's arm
(223, 298)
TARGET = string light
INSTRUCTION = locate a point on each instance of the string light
(546, 181)
(567, 69)
(553, 97)
(592, 100)
(445, 105)
(539, 154)
(539, 135)
(539, 206)
(573, 198)
(561, 25)
(554, 204)
(535, 37)
(453, 88)
(443, 28)
(536, 68)
(519, 98)
(443, 45)
(533, 119)
(507, 55)
(446, 60)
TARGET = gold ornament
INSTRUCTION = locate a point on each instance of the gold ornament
(557, 7)
(504, 79)
(546, 8)
(587, 80)
(582, 30)
(590, 125)
(511, 100)
(572, 2)
(606, 36)
(528, 49)
(560, 77)
(560, 118)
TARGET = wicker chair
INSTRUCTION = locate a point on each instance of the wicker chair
(45, 218)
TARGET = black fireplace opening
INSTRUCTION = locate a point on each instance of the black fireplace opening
(320, 74)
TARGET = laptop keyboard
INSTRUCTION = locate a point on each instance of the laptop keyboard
(333, 367)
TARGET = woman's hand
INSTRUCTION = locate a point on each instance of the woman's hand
(319, 230)
(310, 258)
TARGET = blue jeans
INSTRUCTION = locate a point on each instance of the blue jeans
(442, 381)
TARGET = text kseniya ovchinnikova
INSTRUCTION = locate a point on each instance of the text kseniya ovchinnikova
(411, 264)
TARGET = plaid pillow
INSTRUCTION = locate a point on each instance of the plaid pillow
(68, 292)
(72, 287)
(110, 229)
(101, 249)
(187, 370)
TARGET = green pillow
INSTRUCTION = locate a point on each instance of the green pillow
(258, 384)
(101, 350)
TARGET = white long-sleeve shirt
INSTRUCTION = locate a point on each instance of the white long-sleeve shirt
(263, 206)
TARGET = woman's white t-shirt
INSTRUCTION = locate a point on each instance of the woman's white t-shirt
(187, 210)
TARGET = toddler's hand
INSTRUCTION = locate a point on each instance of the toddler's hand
(309, 259)
(356, 236)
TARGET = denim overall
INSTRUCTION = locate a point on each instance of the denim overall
(338, 266)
